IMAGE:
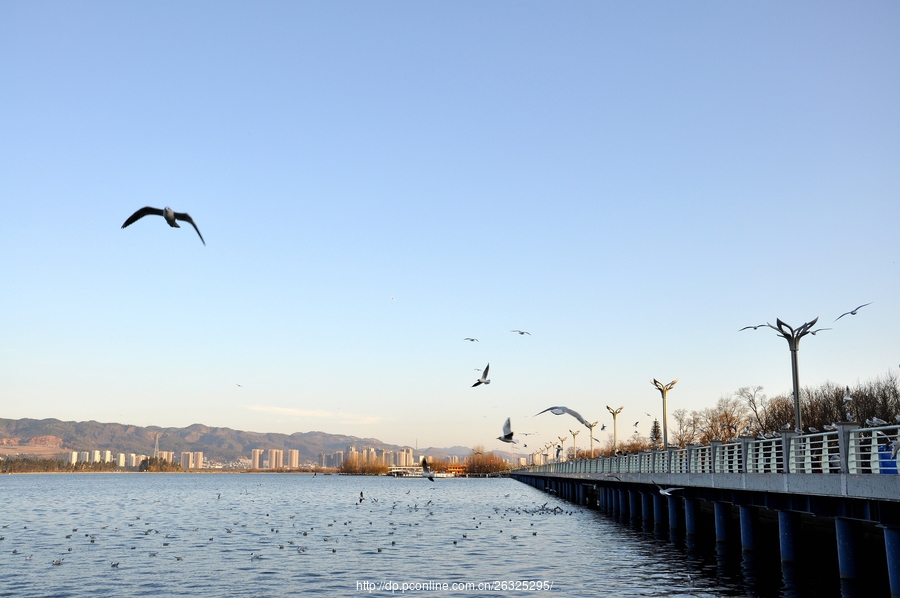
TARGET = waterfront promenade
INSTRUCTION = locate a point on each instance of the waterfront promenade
(848, 475)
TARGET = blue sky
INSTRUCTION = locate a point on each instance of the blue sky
(630, 182)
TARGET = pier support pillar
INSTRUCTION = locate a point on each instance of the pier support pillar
(892, 549)
(748, 527)
(624, 503)
(723, 515)
(615, 502)
(690, 517)
(788, 527)
(647, 507)
(659, 511)
(634, 507)
(846, 544)
(674, 514)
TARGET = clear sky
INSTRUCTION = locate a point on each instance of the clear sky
(629, 182)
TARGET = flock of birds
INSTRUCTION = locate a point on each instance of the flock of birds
(257, 525)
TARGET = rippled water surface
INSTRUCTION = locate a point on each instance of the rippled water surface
(198, 534)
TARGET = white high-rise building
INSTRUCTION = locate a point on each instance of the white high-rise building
(120, 459)
(276, 458)
(256, 459)
(84, 457)
(107, 456)
(95, 456)
(198, 460)
(293, 458)
(187, 460)
(73, 458)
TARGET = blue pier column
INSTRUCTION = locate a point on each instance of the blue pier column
(615, 502)
(624, 503)
(748, 527)
(788, 527)
(674, 514)
(723, 515)
(659, 511)
(847, 548)
(690, 517)
(647, 507)
(892, 548)
(634, 507)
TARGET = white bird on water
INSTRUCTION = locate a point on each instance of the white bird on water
(168, 213)
(507, 433)
(484, 377)
(560, 410)
(426, 471)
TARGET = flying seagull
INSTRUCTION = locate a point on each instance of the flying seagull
(470, 339)
(847, 397)
(521, 332)
(753, 327)
(666, 491)
(507, 433)
(484, 377)
(426, 472)
(813, 332)
(169, 214)
(852, 312)
(559, 410)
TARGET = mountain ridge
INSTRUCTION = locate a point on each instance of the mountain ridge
(218, 444)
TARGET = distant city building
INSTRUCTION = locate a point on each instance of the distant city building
(167, 456)
(293, 458)
(107, 456)
(198, 460)
(73, 458)
(256, 459)
(276, 459)
(120, 459)
(454, 459)
(134, 460)
(338, 458)
(187, 460)
(84, 457)
(323, 460)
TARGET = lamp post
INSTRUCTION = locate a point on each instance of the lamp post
(615, 414)
(793, 336)
(590, 427)
(664, 391)
(574, 433)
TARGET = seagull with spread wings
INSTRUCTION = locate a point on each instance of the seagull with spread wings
(852, 312)
(426, 471)
(507, 433)
(172, 217)
(560, 410)
(484, 377)
(521, 332)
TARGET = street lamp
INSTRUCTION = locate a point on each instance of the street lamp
(590, 427)
(574, 433)
(793, 336)
(615, 414)
(664, 391)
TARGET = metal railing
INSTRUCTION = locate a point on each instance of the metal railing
(849, 449)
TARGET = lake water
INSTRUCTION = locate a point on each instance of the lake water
(200, 534)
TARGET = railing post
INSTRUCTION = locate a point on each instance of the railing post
(745, 453)
(786, 450)
(714, 447)
(844, 429)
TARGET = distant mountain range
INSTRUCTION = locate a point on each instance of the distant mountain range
(218, 444)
